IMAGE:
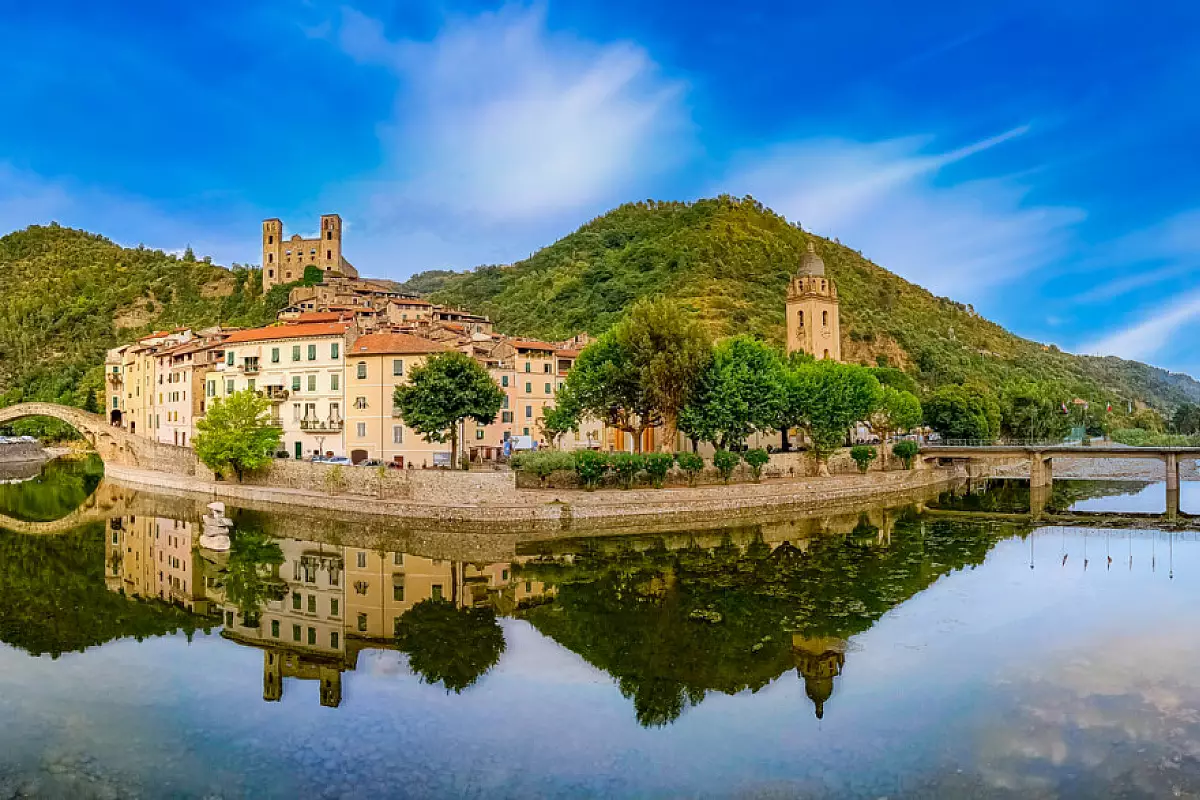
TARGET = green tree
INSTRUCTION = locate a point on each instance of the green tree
(726, 462)
(559, 418)
(1033, 411)
(863, 455)
(742, 392)
(691, 464)
(442, 392)
(657, 467)
(237, 433)
(906, 451)
(670, 350)
(1187, 419)
(895, 378)
(962, 412)
(90, 403)
(1148, 420)
(251, 575)
(897, 411)
(449, 645)
(605, 384)
(833, 397)
(756, 459)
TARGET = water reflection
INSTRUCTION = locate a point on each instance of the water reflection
(41, 493)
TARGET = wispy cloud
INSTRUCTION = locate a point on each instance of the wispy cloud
(1150, 336)
(500, 122)
(889, 200)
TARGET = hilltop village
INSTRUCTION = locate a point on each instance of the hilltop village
(331, 361)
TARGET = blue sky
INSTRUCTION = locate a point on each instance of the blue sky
(1036, 159)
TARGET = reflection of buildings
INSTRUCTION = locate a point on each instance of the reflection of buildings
(818, 661)
(149, 556)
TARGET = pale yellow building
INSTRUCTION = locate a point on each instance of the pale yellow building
(300, 368)
(376, 364)
(813, 324)
(180, 375)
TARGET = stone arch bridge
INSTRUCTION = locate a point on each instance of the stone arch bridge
(114, 445)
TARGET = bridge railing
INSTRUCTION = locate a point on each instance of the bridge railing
(1002, 443)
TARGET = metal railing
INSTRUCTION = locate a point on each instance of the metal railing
(322, 425)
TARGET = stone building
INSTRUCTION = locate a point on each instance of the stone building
(284, 261)
(813, 325)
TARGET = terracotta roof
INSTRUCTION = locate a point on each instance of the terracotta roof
(395, 343)
(524, 344)
(301, 331)
(410, 301)
(567, 353)
(317, 316)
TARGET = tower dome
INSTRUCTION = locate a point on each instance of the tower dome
(811, 263)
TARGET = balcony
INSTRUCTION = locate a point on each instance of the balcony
(250, 367)
(116, 378)
(331, 425)
(276, 394)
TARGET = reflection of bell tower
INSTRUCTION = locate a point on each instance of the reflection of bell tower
(272, 677)
(818, 661)
(331, 687)
(813, 325)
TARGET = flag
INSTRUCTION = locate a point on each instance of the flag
(1064, 408)
(1109, 409)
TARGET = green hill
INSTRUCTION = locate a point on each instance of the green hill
(730, 260)
(69, 295)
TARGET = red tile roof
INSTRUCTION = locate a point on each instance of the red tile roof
(317, 316)
(409, 301)
(567, 353)
(301, 331)
(523, 344)
(395, 344)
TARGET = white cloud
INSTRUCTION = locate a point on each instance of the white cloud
(1151, 335)
(501, 123)
(886, 199)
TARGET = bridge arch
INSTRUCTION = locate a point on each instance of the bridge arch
(114, 445)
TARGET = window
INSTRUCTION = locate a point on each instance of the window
(249, 385)
(506, 416)
(800, 318)
(361, 370)
(547, 388)
(296, 601)
(333, 640)
(274, 355)
(504, 381)
(328, 235)
(270, 240)
(361, 430)
(275, 628)
(362, 623)
(229, 356)
(546, 368)
(312, 636)
(525, 431)
(505, 403)
(295, 352)
(528, 366)
(295, 411)
(335, 411)
(396, 626)
(334, 381)
(295, 383)
(362, 560)
(334, 351)
(397, 434)
(825, 318)
(397, 366)
(528, 412)
(229, 387)
(328, 254)
(312, 383)
(312, 352)
(398, 592)
(360, 403)
(479, 433)
(271, 260)
(528, 387)
(333, 607)
(295, 633)
(436, 592)
(312, 604)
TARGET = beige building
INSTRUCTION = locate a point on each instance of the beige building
(300, 368)
(140, 380)
(180, 374)
(376, 364)
(813, 324)
(284, 261)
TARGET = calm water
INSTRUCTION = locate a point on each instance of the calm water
(881, 654)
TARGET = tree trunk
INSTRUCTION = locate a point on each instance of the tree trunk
(454, 445)
(637, 438)
(784, 445)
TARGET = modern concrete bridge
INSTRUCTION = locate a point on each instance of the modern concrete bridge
(1041, 460)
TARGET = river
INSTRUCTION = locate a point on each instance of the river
(889, 652)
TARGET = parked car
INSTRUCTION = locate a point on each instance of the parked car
(371, 462)
(338, 460)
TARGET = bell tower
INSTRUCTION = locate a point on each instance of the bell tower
(272, 248)
(813, 324)
(329, 253)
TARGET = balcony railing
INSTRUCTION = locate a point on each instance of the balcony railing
(116, 378)
(332, 425)
(276, 394)
(250, 368)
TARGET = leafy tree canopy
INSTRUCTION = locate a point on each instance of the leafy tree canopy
(236, 433)
(742, 392)
(448, 388)
(450, 645)
(963, 412)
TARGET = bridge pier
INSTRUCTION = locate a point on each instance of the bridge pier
(1172, 474)
(1041, 471)
(1039, 498)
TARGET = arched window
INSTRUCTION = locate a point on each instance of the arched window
(825, 318)
(800, 318)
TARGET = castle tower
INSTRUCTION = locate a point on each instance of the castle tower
(284, 261)
(272, 261)
(813, 324)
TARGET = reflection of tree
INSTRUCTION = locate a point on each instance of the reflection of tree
(1012, 496)
(672, 625)
(252, 572)
(450, 645)
(62, 487)
(53, 598)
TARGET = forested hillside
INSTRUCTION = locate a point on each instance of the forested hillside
(69, 295)
(730, 261)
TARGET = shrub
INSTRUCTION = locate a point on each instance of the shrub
(726, 462)
(543, 463)
(906, 450)
(335, 479)
(691, 464)
(627, 466)
(863, 455)
(757, 459)
(591, 467)
(658, 465)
